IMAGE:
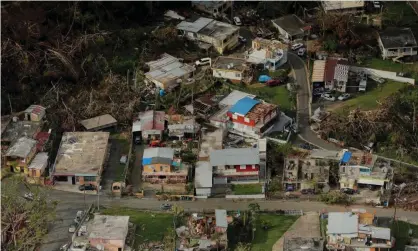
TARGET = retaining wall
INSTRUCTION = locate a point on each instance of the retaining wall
(247, 196)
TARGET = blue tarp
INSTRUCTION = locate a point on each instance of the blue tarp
(263, 78)
(146, 161)
(162, 93)
(346, 157)
(244, 105)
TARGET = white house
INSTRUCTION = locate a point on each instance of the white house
(397, 42)
(234, 69)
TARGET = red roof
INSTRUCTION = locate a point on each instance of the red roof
(42, 138)
(330, 69)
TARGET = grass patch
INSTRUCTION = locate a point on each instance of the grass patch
(151, 226)
(265, 239)
(278, 95)
(389, 65)
(244, 189)
(400, 230)
(323, 225)
(368, 101)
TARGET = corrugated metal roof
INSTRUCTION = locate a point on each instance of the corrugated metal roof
(235, 156)
(21, 148)
(203, 174)
(342, 223)
(318, 74)
(381, 233)
(195, 26)
(40, 161)
(340, 5)
(151, 120)
(164, 152)
(244, 105)
(221, 218)
(234, 96)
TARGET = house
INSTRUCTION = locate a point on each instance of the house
(99, 123)
(305, 171)
(363, 169)
(222, 36)
(109, 232)
(396, 42)
(336, 74)
(160, 166)
(168, 72)
(343, 6)
(211, 140)
(291, 27)
(233, 69)
(203, 179)
(252, 118)
(213, 8)
(182, 126)
(37, 167)
(35, 113)
(80, 159)
(17, 129)
(149, 125)
(318, 77)
(272, 54)
(347, 231)
(20, 154)
(235, 165)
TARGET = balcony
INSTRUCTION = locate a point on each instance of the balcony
(233, 172)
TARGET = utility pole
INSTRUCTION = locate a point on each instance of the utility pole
(10, 103)
(98, 197)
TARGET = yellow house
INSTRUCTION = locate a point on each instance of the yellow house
(160, 166)
(37, 167)
(20, 154)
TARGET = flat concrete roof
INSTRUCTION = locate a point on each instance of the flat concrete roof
(230, 63)
(235, 156)
(81, 153)
(194, 26)
(211, 141)
(218, 30)
(21, 148)
(203, 174)
(15, 130)
(341, 5)
(109, 227)
(99, 122)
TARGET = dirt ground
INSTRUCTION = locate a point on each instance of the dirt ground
(307, 225)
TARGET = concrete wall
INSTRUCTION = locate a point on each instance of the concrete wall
(227, 74)
(248, 196)
(383, 74)
(203, 191)
(109, 245)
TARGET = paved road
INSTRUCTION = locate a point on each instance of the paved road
(303, 104)
(152, 204)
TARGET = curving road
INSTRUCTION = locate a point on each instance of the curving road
(303, 104)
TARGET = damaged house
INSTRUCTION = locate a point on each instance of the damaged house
(208, 32)
(233, 69)
(397, 42)
(160, 166)
(182, 126)
(291, 27)
(272, 54)
(149, 125)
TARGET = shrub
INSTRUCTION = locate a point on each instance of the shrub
(336, 197)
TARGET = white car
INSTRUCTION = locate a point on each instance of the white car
(297, 46)
(376, 4)
(203, 61)
(328, 96)
(237, 21)
(72, 228)
(344, 96)
(301, 51)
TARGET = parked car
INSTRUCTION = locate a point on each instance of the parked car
(242, 39)
(72, 228)
(328, 96)
(301, 52)
(203, 61)
(274, 82)
(306, 146)
(166, 206)
(308, 191)
(296, 46)
(237, 21)
(123, 159)
(88, 187)
(344, 96)
(348, 191)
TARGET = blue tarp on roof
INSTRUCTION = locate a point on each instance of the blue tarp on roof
(263, 78)
(346, 157)
(146, 161)
(244, 105)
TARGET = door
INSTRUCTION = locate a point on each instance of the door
(73, 180)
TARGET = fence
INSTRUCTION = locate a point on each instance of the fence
(246, 196)
(383, 74)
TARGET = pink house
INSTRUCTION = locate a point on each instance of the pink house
(109, 232)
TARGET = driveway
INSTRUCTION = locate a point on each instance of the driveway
(136, 173)
(113, 169)
(303, 104)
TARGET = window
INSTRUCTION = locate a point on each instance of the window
(247, 120)
(238, 75)
(234, 116)
(364, 170)
(89, 178)
(242, 167)
(61, 178)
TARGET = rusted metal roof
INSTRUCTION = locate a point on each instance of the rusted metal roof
(318, 74)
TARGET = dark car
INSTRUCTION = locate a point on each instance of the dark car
(306, 146)
(348, 191)
(274, 82)
(307, 191)
(88, 187)
(166, 206)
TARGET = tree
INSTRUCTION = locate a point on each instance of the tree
(24, 222)
(254, 209)
(169, 239)
(243, 247)
(217, 238)
(178, 212)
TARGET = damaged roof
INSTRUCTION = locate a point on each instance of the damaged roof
(230, 63)
(209, 27)
(318, 74)
(150, 120)
(167, 68)
(21, 148)
(40, 161)
(235, 156)
(101, 121)
(244, 105)
(394, 37)
(341, 5)
(292, 24)
(109, 227)
(234, 96)
(158, 155)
